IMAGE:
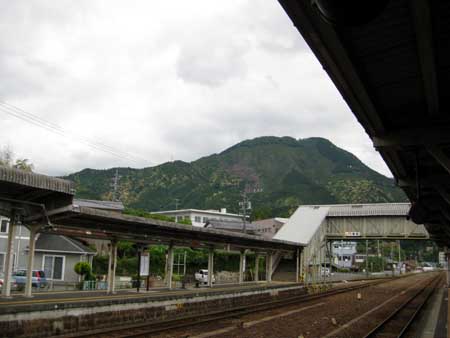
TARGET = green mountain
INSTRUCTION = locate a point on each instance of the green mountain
(279, 173)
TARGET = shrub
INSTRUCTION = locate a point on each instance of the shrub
(84, 269)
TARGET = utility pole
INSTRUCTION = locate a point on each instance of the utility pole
(392, 250)
(115, 186)
(245, 204)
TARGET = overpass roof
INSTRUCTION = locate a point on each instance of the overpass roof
(390, 60)
(303, 223)
(307, 219)
(372, 209)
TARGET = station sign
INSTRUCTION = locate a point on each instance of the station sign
(353, 234)
(144, 269)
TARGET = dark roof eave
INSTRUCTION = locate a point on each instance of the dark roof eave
(86, 216)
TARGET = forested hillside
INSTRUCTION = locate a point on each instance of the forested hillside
(279, 172)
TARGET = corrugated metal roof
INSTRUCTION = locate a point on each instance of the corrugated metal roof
(34, 180)
(303, 224)
(374, 209)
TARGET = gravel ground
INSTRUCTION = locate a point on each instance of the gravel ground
(315, 321)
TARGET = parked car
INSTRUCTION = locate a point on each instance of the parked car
(201, 277)
(2, 279)
(427, 267)
(38, 279)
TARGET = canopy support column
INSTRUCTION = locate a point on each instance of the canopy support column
(302, 263)
(297, 268)
(169, 271)
(210, 266)
(447, 256)
(257, 257)
(112, 267)
(241, 266)
(6, 292)
(269, 258)
(32, 245)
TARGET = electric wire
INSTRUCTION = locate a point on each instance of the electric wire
(56, 129)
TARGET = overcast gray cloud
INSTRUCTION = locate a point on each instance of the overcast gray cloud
(160, 80)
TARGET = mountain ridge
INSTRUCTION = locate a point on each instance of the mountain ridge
(279, 173)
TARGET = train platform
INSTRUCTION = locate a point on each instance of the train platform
(61, 312)
(431, 322)
(69, 299)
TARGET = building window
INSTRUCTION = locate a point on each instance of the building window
(53, 267)
(4, 226)
(179, 218)
(205, 219)
(197, 219)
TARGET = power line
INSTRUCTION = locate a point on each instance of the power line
(30, 118)
(59, 131)
(54, 128)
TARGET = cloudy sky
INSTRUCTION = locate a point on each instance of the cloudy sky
(138, 83)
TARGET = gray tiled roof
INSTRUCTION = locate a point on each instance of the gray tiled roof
(96, 204)
(61, 244)
(228, 225)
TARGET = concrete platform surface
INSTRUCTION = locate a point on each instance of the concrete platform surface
(431, 322)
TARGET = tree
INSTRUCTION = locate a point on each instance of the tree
(7, 159)
(6, 156)
(23, 164)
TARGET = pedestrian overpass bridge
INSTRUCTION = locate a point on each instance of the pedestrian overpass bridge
(319, 225)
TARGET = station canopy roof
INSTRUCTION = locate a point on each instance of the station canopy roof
(78, 221)
(390, 60)
(49, 201)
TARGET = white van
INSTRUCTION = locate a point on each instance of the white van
(201, 277)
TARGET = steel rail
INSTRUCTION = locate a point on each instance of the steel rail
(187, 321)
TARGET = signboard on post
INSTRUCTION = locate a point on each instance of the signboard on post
(145, 264)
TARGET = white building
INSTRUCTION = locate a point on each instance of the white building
(200, 217)
(343, 253)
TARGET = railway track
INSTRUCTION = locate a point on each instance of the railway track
(392, 317)
(397, 323)
(146, 329)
